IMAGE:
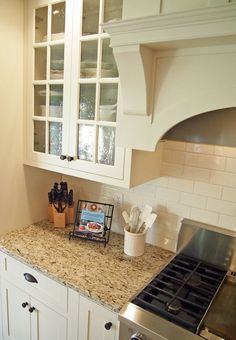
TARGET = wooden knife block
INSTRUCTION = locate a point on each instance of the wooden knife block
(71, 214)
(59, 219)
(51, 213)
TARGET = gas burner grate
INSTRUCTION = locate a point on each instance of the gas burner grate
(182, 291)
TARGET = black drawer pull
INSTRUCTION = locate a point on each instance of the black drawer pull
(30, 278)
(31, 309)
(24, 304)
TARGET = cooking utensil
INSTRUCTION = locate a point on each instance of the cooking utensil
(134, 216)
(149, 222)
(125, 216)
(143, 217)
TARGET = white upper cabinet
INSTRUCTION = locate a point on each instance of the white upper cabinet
(73, 94)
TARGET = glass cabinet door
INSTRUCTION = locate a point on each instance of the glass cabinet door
(48, 78)
(96, 88)
(73, 86)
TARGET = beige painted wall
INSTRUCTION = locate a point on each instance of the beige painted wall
(23, 189)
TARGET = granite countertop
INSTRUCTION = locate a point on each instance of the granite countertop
(106, 275)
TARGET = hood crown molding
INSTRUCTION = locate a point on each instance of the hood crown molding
(219, 21)
(136, 41)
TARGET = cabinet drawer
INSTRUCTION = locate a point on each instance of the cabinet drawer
(45, 289)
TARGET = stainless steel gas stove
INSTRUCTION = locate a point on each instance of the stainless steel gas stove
(186, 300)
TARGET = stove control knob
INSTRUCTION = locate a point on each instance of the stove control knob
(137, 336)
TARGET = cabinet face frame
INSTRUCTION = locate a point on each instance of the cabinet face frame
(69, 120)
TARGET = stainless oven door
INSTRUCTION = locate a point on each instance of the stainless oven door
(127, 333)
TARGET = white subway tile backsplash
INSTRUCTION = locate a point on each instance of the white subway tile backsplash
(231, 165)
(181, 184)
(229, 194)
(163, 242)
(225, 151)
(167, 231)
(131, 198)
(173, 145)
(208, 190)
(169, 221)
(220, 206)
(223, 178)
(204, 216)
(156, 202)
(197, 181)
(169, 169)
(192, 200)
(200, 148)
(179, 209)
(168, 194)
(205, 161)
(196, 174)
(162, 181)
(146, 188)
(228, 222)
(173, 156)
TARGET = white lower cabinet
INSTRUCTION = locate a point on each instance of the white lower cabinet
(47, 310)
(96, 322)
(16, 319)
(25, 318)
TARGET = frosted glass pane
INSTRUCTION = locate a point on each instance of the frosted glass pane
(86, 135)
(55, 138)
(87, 101)
(106, 145)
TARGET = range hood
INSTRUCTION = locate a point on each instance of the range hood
(215, 127)
(173, 67)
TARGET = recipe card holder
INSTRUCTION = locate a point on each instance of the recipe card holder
(83, 228)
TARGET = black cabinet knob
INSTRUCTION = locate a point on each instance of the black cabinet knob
(30, 278)
(69, 158)
(24, 304)
(108, 325)
(62, 157)
(31, 309)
